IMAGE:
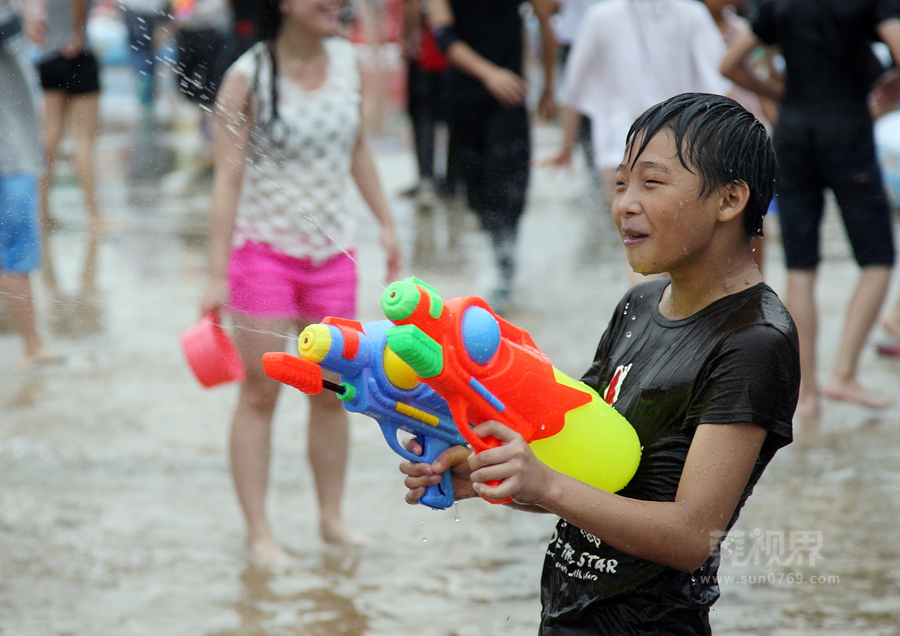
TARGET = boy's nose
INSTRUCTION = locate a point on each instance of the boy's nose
(625, 203)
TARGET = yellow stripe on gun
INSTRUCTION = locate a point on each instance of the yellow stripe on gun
(415, 413)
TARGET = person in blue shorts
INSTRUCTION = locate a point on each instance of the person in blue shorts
(21, 161)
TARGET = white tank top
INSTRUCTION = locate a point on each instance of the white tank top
(293, 191)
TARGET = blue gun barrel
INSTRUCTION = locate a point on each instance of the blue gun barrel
(377, 383)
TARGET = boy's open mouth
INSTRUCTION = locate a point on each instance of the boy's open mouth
(632, 237)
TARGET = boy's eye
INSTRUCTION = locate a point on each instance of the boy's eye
(653, 182)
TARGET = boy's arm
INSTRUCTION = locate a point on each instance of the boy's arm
(679, 534)
(507, 87)
(734, 67)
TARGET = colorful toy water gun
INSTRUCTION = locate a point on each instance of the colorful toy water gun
(488, 369)
(374, 382)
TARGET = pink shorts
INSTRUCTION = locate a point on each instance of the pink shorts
(269, 284)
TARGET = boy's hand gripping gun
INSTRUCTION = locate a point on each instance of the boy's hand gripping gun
(374, 382)
(488, 369)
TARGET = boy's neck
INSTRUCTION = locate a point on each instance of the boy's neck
(690, 292)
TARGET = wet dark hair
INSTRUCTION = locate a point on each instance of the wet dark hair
(718, 139)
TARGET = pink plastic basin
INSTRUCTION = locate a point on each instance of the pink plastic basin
(210, 353)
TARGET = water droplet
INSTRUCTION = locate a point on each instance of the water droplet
(424, 539)
(627, 334)
(634, 317)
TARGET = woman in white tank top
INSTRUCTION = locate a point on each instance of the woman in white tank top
(287, 135)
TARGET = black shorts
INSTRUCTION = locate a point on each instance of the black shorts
(853, 174)
(77, 76)
(198, 70)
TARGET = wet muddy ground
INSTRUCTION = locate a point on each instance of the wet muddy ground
(117, 515)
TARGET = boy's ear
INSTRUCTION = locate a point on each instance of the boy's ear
(734, 198)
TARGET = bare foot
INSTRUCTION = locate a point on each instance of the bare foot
(340, 534)
(268, 554)
(853, 392)
(44, 357)
(808, 406)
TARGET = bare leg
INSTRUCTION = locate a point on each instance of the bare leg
(328, 447)
(800, 301)
(56, 104)
(17, 292)
(251, 436)
(861, 315)
(86, 116)
(89, 273)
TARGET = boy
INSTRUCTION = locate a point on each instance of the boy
(705, 366)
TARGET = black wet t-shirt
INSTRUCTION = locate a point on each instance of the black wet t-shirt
(734, 361)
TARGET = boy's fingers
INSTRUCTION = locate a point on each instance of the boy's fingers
(416, 469)
(497, 430)
(451, 457)
(413, 446)
(413, 496)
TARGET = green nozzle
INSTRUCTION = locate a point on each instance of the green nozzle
(417, 349)
(401, 298)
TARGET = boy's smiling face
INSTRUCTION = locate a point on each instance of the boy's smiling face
(664, 223)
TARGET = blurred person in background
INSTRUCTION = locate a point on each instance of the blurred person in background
(70, 77)
(627, 56)
(731, 24)
(288, 135)
(427, 95)
(202, 29)
(570, 16)
(489, 125)
(824, 139)
(144, 20)
(21, 163)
